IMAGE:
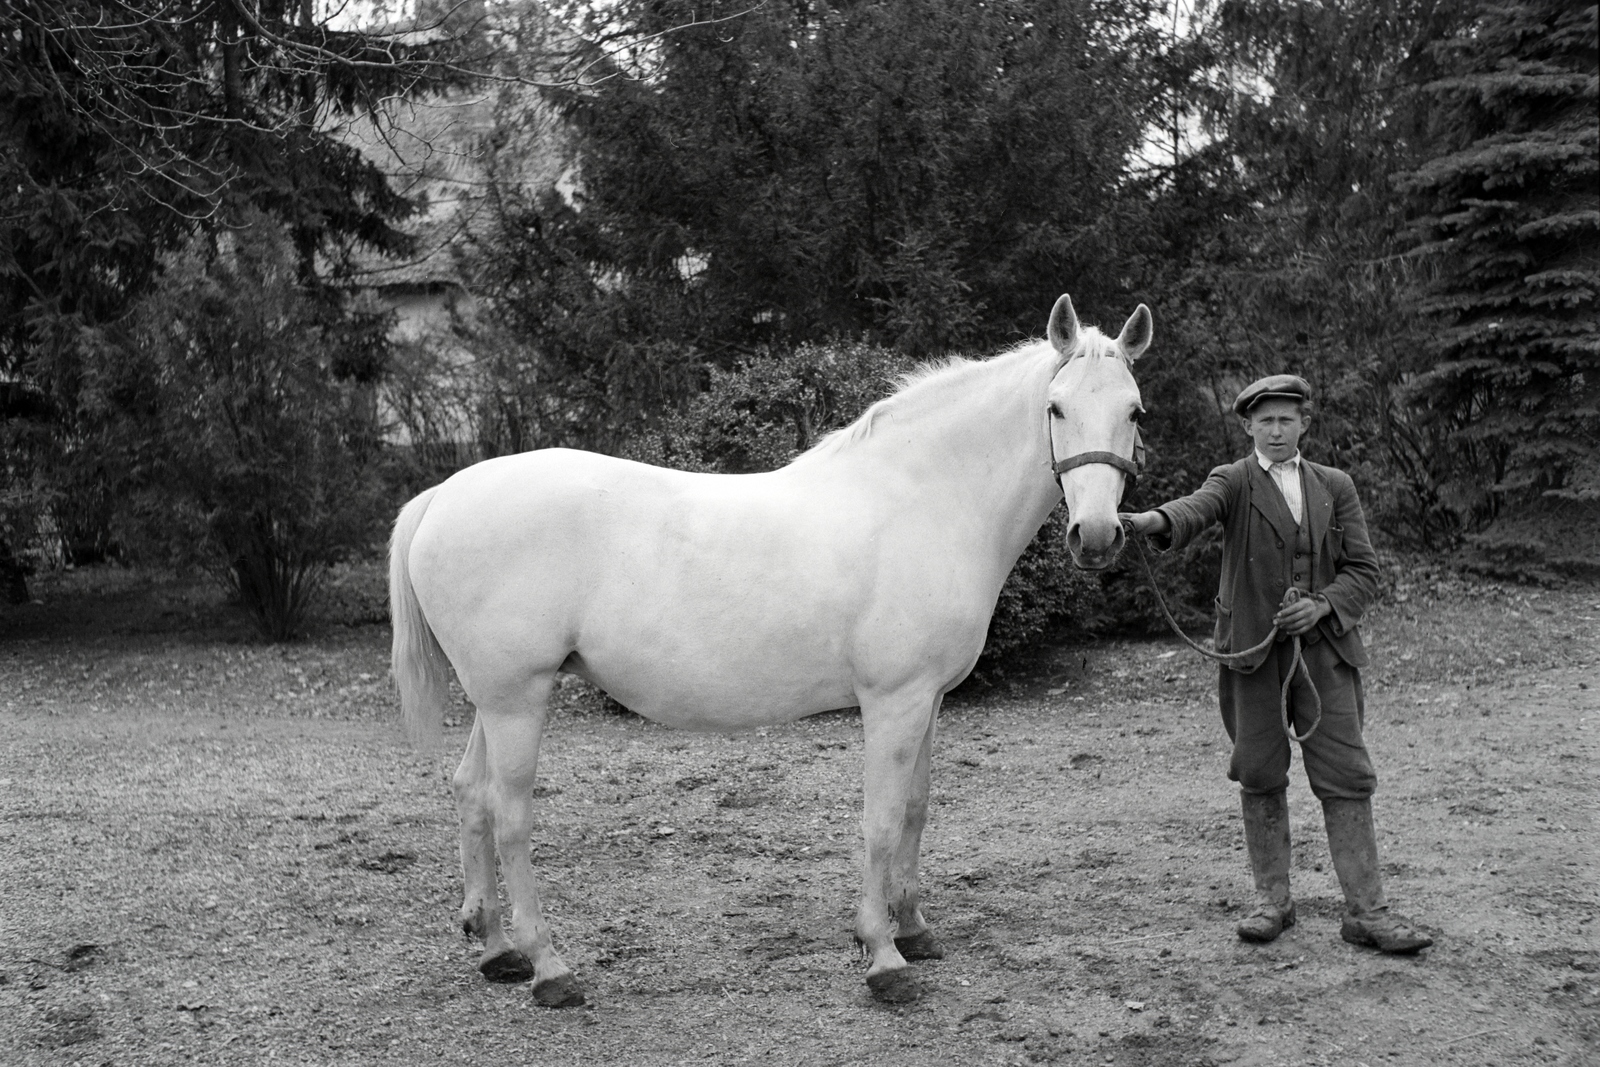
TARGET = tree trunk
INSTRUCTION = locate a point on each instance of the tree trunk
(13, 576)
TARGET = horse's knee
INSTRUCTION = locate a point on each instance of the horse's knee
(472, 805)
(473, 802)
(476, 817)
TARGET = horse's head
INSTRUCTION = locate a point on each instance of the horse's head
(1094, 427)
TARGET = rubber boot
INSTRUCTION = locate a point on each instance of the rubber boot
(1367, 920)
(1266, 836)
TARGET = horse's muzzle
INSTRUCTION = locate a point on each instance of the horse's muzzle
(1094, 546)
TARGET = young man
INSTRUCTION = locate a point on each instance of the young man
(1296, 556)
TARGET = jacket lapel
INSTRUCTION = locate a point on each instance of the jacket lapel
(1318, 503)
(1265, 498)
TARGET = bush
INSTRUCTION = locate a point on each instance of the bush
(772, 407)
(243, 415)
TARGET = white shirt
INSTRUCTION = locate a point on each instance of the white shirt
(1286, 476)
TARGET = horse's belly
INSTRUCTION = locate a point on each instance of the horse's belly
(720, 669)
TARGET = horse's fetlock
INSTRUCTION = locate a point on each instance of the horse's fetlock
(473, 923)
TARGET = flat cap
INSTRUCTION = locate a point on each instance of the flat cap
(1274, 387)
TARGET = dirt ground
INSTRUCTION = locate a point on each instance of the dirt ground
(217, 851)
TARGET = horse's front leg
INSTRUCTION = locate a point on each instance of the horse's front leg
(896, 728)
(912, 936)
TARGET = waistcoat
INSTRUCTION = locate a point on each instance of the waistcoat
(1300, 571)
(1300, 575)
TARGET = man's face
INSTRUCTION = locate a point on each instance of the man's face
(1275, 426)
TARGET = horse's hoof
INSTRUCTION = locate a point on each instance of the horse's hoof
(508, 965)
(898, 986)
(923, 946)
(561, 992)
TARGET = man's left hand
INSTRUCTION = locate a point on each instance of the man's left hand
(1298, 618)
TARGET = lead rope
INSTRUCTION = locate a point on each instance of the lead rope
(1236, 659)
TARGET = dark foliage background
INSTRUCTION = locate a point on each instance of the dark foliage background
(128, 128)
(920, 175)
(240, 423)
(767, 211)
(1510, 205)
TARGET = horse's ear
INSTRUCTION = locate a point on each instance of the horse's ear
(1063, 328)
(1136, 334)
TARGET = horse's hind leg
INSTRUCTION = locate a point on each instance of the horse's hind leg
(480, 902)
(912, 936)
(896, 728)
(512, 731)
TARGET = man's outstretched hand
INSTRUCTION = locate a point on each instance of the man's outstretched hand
(1146, 522)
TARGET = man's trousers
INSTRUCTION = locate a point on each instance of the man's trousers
(1336, 759)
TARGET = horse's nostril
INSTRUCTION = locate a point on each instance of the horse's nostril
(1074, 538)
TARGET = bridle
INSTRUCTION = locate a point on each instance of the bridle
(1131, 468)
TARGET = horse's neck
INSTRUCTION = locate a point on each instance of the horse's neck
(980, 443)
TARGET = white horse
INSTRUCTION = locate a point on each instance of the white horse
(863, 574)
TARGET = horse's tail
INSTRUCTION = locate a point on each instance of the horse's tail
(421, 669)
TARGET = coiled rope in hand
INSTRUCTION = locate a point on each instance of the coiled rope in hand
(1240, 660)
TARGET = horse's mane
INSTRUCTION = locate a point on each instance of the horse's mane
(938, 376)
(910, 387)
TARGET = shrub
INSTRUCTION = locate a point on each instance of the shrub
(771, 407)
(243, 415)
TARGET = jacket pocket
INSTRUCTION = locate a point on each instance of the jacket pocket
(1335, 541)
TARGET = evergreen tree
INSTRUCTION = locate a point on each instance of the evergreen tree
(1289, 236)
(927, 175)
(129, 126)
(1510, 207)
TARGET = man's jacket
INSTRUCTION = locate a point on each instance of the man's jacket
(1258, 552)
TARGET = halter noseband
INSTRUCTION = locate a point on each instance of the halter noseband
(1132, 468)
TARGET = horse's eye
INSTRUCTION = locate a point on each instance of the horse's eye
(1136, 415)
